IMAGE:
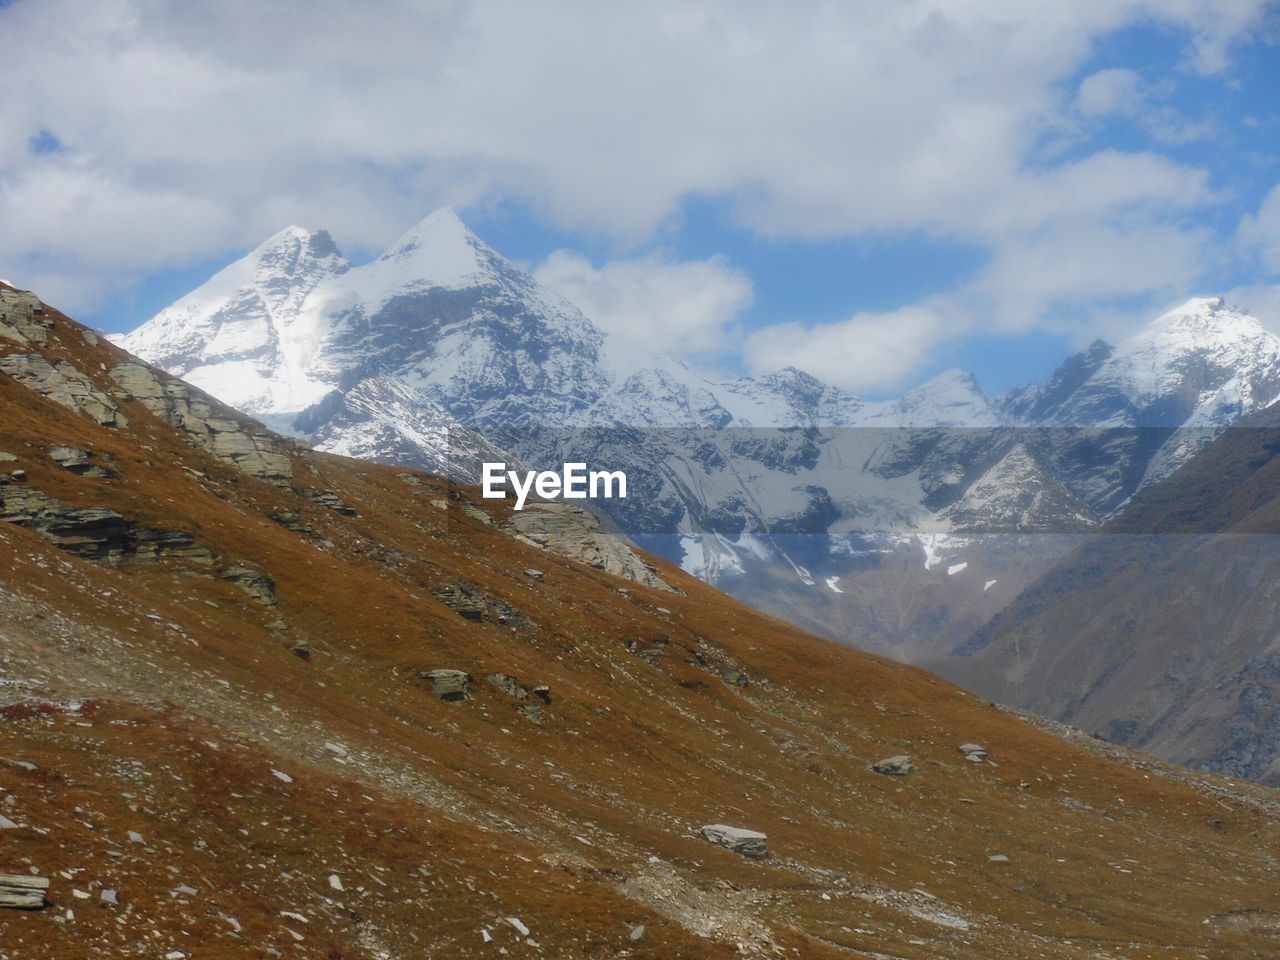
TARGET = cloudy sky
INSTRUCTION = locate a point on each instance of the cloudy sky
(872, 191)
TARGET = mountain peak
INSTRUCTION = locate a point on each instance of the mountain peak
(1202, 323)
(1206, 314)
(1194, 306)
(291, 242)
(951, 379)
(440, 249)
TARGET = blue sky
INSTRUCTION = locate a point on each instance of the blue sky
(872, 192)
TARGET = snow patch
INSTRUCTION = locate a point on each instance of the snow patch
(933, 544)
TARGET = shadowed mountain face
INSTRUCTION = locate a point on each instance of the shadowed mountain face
(1162, 633)
(259, 700)
(868, 521)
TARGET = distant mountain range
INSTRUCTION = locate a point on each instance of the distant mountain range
(441, 332)
(901, 526)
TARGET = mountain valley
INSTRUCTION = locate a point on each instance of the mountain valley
(260, 700)
(902, 527)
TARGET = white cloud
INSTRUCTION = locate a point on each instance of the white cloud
(193, 129)
(1120, 93)
(1262, 300)
(1259, 233)
(1115, 91)
(75, 234)
(867, 351)
(1055, 272)
(822, 119)
(1067, 278)
(676, 307)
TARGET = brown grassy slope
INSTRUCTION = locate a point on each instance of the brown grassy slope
(583, 827)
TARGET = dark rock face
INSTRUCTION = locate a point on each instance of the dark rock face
(98, 534)
(447, 684)
(22, 891)
(260, 586)
(329, 500)
(470, 604)
(1038, 403)
(1157, 634)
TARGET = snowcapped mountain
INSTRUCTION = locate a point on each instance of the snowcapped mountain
(1132, 414)
(1202, 364)
(238, 334)
(440, 353)
(441, 334)
(278, 331)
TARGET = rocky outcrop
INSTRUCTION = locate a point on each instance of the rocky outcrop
(898, 766)
(507, 684)
(258, 454)
(63, 383)
(23, 318)
(973, 752)
(447, 684)
(96, 533)
(329, 500)
(292, 520)
(258, 585)
(747, 843)
(578, 535)
(79, 461)
(470, 604)
(532, 712)
(22, 891)
(526, 707)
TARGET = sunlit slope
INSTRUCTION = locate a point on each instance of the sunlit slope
(239, 681)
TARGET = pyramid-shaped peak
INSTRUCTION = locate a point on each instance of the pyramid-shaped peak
(440, 249)
(442, 231)
(953, 381)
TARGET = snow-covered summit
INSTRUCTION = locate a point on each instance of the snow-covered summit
(1201, 364)
(233, 332)
(441, 336)
(439, 251)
